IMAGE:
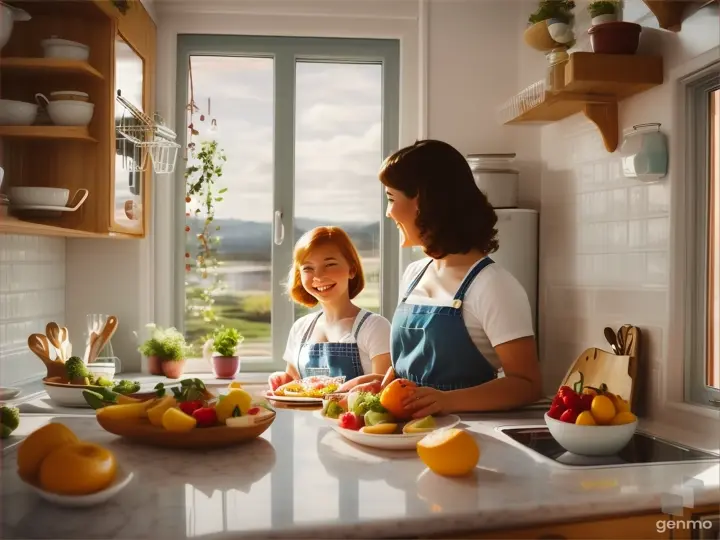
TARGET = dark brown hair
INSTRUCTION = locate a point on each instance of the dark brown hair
(320, 236)
(454, 216)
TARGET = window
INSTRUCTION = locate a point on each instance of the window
(703, 330)
(304, 125)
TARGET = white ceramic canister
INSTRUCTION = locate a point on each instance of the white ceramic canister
(494, 177)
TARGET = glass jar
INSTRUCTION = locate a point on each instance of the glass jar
(555, 75)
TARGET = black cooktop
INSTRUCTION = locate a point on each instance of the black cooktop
(642, 449)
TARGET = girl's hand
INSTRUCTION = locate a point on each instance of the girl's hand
(371, 387)
(362, 380)
(425, 401)
(279, 378)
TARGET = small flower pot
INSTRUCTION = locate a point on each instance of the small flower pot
(605, 18)
(173, 369)
(617, 37)
(225, 367)
(154, 365)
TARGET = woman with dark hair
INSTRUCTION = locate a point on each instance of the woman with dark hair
(462, 317)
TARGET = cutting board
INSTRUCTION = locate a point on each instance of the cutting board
(619, 373)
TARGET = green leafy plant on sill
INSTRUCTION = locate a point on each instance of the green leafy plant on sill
(226, 341)
(604, 7)
(164, 343)
(553, 9)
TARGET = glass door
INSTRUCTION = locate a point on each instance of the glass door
(303, 125)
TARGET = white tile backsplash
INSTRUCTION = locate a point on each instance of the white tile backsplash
(32, 293)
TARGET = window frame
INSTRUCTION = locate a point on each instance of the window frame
(286, 52)
(698, 90)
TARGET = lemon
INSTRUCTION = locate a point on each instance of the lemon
(624, 417)
(585, 418)
(156, 412)
(40, 444)
(449, 452)
(235, 384)
(602, 409)
(175, 420)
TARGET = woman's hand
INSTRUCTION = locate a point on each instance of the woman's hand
(279, 378)
(371, 387)
(424, 401)
(362, 380)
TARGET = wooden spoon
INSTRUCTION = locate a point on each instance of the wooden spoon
(39, 344)
(105, 335)
(52, 331)
(65, 343)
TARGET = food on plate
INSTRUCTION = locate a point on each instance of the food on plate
(157, 409)
(334, 406)
(394, 394)
(235, 398)
(350, 420)
(588, 406)
(176, 420)
(362, 402)
(9, 420)
(253, 416)
(38, 445)
(313, 387)
(379, 429)
(127, 411)
(373, 418)
(126, 387)
(102, 397)
(234, 384)
(76, 371)
(449, 452)
(421, 425)
(78, 468)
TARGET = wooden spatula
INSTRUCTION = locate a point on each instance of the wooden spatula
(105, 335)
(52, 331)
(40, 345)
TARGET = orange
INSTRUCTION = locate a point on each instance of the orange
(393, 395)
(623, 417)
(449, 452)
(175, 420)
(602, 409)
(38, 445)
(78, 469)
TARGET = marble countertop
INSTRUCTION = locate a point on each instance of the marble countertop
(302, 480)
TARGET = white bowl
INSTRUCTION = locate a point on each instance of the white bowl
(63, 48)
(17, 113)
(102, 369)
(39, 196)
(122, 479)
(70, 113)
(591, 440)
(66, 395)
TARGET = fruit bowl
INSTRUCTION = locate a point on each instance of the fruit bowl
(591, 440)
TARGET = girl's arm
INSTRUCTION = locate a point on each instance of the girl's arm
(380, 365)
(279, 378)
(520, 386)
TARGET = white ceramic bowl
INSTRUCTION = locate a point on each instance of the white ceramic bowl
(102, 369)
(63, 48)
(70, 113)
(591, 440)
(17, 113)
(39, 196)
(66, 395)
(122, 479)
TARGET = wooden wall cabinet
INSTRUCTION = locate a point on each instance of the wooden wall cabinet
(79, 157)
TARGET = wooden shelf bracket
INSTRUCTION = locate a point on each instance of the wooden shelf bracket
(605, 117)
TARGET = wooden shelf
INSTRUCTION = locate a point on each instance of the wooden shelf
(671, 13)
(47, 132)
(52, 65)
(593, 85)
(11, 225)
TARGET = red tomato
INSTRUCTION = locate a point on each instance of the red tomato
(558, 400)
(564, 390)
(352, 421)
(569, 416)
(572, 401)
(586, 401)
(556, 411)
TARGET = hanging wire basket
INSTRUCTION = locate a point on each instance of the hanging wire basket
(146, 136)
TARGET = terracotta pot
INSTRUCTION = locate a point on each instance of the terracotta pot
(173, 369)
(154, 365)
(617, 37)
(225, 367)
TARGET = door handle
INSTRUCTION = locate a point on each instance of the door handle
(279, 228)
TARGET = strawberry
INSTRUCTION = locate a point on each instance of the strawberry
(254, 410)
(205, 416)
(556, 411)
(352, 421)
(569, 416)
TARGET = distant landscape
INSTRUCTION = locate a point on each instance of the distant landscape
(244, 253)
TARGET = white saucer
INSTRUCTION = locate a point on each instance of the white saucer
(122, 479)
(7, 393)
(291, 399)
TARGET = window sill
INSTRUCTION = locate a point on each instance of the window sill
(256, 369)
(694, 409)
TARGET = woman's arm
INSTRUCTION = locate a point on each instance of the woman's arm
(520, 386)
(380, 365)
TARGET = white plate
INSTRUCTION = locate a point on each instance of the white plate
(388, 442)
(291, 399)
(122, 479)
(9, 393)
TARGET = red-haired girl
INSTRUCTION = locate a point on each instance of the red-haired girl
(342, 337)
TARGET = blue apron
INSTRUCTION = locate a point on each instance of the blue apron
(341, 358)
(431, 346)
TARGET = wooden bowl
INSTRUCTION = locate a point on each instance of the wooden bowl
(144, 432)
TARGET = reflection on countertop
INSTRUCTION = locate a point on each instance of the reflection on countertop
(302, 480)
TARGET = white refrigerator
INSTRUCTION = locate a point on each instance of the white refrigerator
(518, 253)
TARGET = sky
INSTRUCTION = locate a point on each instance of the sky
(338, 144)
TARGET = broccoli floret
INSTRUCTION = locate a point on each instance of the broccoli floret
(126, 387)
(9, 420)
(102, 381)
(75, 369)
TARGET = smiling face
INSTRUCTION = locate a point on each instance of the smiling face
(325, 273)
(403, 211)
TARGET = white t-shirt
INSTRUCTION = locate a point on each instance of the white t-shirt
(373, 338)
(495, 309)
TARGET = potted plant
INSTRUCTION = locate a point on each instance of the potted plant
(165, 350)
(221, 350)
(551, 26)
(603, 11)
